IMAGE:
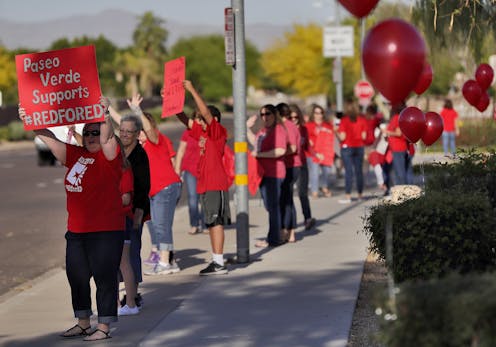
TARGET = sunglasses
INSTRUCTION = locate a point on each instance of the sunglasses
(262, 114)
(92, 133)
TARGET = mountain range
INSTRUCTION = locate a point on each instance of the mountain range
(117, 26)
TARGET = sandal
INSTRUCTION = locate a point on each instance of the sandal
(81, 332)
(106, 335)
(262, 244)
(194, 231)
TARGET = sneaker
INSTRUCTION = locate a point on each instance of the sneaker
(213, 269)
(160, 269)
(153, 259)
(127, 311)
(309, 223)
(345, 201)
(138, 300)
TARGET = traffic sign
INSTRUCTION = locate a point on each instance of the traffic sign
(364, 92)
(338, 41)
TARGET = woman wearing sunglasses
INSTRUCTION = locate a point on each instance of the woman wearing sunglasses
(95, 222)
(269, 147)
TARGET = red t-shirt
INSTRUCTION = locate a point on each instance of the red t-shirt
(127, 186)
(396, 143)
(372, 124)
(191, 154)
(211, 142)
(353, 131)
(294, 137)
(267, 140)
(162, 172)
(449, 118)
(94, 201)
(321, 139)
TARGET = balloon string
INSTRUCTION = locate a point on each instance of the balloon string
(422, 171)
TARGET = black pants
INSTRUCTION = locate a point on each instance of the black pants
(97, 255)
(288, 210)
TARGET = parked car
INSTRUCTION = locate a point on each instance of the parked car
(45, 156)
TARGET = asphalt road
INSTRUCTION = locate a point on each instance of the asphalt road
(33, 214)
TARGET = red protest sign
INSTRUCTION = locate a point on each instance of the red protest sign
(173, 96)
(59, 87)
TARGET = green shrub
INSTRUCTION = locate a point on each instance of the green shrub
(435, 234)
(454, 311)
(16, 131)
(472, 171)
(4, 133)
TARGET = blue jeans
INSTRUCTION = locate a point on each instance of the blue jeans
(449, 142)
(319, 175)
(270, 189)
(135, 249)
(162, 209)
(303, 192)
(402, 167)
(195, 214)
(288, 210)
(353, 162)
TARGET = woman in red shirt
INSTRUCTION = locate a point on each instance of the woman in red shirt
(165, 190)
(450, 130)
(96, 221)
(321, 152)
(352, 133)
(269, 148)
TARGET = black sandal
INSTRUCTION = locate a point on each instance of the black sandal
(105, 333)
(83, 332)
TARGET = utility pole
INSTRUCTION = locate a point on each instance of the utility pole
(240, 142)
(338, 68)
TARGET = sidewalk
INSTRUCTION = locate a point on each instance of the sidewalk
(300, 294)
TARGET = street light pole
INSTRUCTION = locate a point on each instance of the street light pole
(240, 143)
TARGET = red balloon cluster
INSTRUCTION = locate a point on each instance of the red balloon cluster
(416, 125)
(359, 8)
(393, 56)
(475, 91)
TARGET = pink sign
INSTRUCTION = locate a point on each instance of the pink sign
(59, 87)
(173, 96)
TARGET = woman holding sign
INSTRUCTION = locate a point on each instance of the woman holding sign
(94, 235)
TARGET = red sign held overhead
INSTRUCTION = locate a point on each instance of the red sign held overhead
(174, 75)
(364, 92)
(59, 87)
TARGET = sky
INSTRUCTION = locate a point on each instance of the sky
(280, 12)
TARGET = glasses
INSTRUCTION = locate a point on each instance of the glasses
(263, 114)
(295, 117)
(127, 132)
(92, 133)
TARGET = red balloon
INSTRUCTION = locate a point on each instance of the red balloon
(425, 79)
(472, 92)
(484, 75)
(393, 55)
(412, 123)
(434, 128)
(483, 102)
(359, 8)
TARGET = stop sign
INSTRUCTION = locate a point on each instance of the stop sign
(364, 92)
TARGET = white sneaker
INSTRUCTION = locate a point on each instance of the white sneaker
(127, 311)
(160, 269)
